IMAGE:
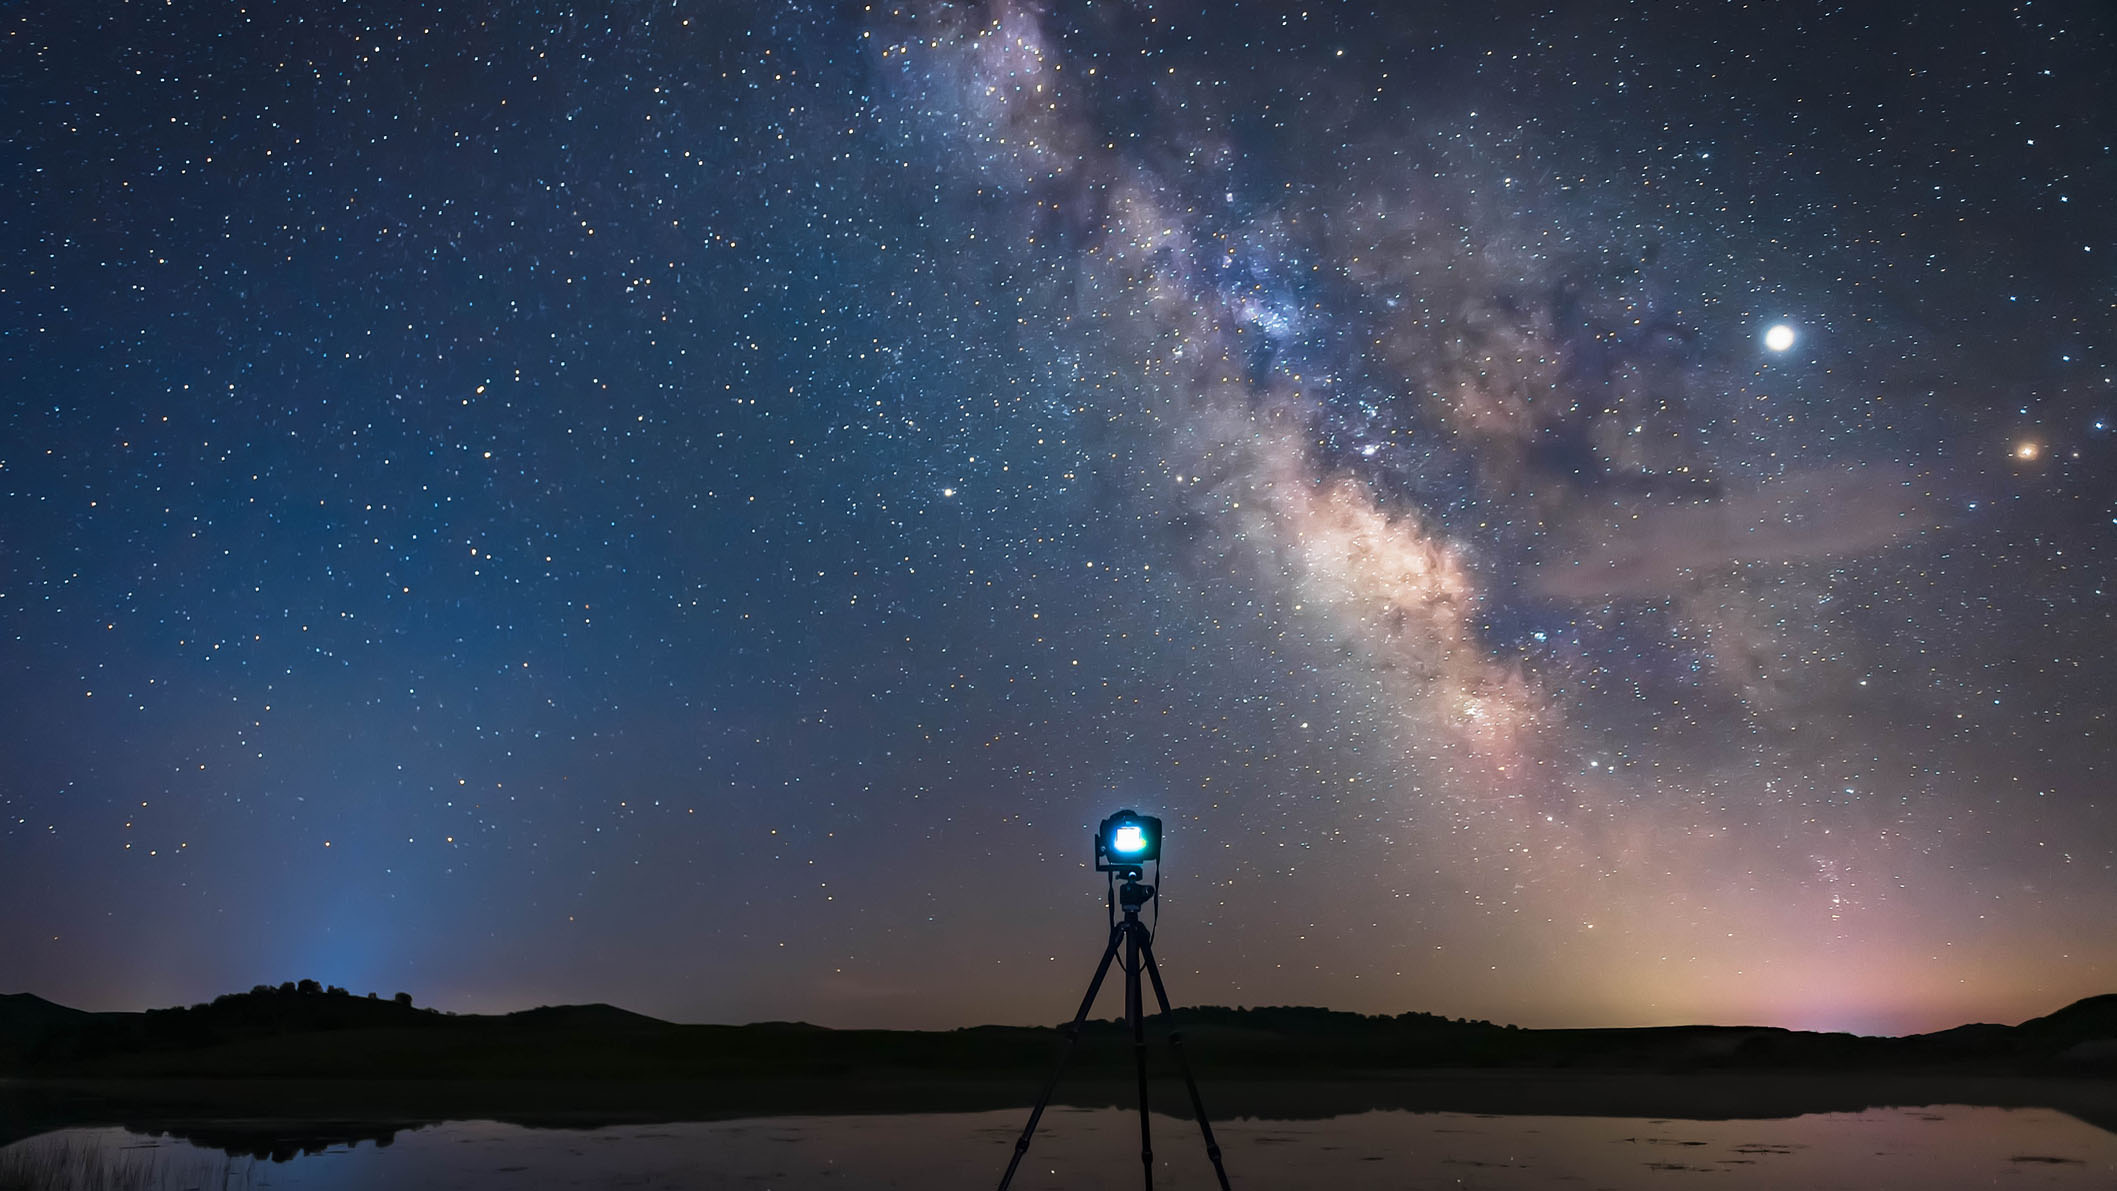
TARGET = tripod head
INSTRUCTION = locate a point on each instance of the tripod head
(1132, 895)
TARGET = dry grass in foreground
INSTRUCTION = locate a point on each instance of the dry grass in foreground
(88, 1162)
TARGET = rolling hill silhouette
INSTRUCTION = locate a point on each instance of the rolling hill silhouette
(277, 1071)
(306, 1031)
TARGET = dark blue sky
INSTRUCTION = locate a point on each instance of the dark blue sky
(704, 506)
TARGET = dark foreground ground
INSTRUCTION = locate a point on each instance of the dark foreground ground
(280, 1118)
(307, 1033)
(278, 1070)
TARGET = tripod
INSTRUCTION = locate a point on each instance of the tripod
(1139, 956)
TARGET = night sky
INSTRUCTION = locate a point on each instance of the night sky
(1587, 515)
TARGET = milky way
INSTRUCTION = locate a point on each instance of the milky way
(704, 510)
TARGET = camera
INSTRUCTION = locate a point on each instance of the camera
(1125, 841)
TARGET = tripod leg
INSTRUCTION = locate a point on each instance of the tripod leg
(1073, 1035)
(1183, 1064)
(1135, 1010)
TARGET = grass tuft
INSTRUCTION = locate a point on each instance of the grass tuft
(76, 1161)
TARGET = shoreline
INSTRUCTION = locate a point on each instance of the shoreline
(259, 1115)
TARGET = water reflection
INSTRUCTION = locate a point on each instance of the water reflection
(1086, 1149)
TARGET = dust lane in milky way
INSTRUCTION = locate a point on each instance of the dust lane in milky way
(1571, 520)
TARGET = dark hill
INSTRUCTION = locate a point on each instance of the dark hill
(27, 1011)
(2091, 1017)
(27, 1022)
(307, 1031)
(584, 1017)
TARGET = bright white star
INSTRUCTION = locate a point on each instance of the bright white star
(1778, 337)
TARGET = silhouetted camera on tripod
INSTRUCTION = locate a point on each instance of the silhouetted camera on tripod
(1124, 844)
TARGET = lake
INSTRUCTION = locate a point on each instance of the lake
(1086, 1149)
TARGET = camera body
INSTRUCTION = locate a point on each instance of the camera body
(1125, 842)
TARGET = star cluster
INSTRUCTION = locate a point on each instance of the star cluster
(1591, 517)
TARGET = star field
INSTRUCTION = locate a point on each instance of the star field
(1576, 517)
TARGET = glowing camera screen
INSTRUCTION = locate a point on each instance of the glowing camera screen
(1127, 840)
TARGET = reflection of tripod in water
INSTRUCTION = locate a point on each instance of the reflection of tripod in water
(1139, 956)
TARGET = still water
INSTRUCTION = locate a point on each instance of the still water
(1090, 1149)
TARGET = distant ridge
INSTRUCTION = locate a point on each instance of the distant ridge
(2089, 1017)
(30, 1006)
(596, 1016)
(26, 1013)
(305, 1030)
